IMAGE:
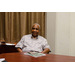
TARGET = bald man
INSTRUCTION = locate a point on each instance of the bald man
(33, 42)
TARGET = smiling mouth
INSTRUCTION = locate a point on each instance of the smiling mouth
(34, 33)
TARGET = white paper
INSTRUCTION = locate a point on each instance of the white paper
(2, 59)
(9, 44)
(34, 54)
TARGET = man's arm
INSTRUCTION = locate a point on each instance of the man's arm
(19, 45)
(19, 49)
(46, 47)
(46, 50)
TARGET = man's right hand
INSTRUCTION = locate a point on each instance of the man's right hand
(19, 50)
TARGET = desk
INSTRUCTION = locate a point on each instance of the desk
(7, 49)
(20, 57)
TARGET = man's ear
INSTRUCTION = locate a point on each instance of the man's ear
(39, 29)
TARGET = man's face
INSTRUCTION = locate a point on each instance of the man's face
(35, 30)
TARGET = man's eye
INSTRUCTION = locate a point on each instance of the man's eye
(37, 29)
(33, 28)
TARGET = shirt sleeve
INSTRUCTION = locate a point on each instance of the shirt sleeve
(45, 45)
(20, 43)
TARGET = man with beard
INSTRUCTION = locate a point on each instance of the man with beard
(33, 42)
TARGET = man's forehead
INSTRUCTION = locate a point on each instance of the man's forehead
(35, 26)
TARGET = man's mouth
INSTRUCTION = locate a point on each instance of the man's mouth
(34, 33)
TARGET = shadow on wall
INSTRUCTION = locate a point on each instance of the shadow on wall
(50, 23)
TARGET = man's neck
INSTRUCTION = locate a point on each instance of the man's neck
(34, 37)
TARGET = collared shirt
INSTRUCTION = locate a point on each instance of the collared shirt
(28, 43)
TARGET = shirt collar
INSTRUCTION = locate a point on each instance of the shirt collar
(32, 37)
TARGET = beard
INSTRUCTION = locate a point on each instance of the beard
(34, 34)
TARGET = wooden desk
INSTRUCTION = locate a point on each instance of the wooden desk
(7, 49)
(20, 57)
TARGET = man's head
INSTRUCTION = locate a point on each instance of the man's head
(35, 29)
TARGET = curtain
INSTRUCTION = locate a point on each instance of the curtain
(14, 25)
(2, 25)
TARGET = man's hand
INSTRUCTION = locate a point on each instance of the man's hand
(45, 51)
(19, 49)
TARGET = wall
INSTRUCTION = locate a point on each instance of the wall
(50, 21)
(60, 32)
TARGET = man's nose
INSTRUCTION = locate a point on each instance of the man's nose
(34, 29)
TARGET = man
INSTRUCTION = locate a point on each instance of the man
(33, 42)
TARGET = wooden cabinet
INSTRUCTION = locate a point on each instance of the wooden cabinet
(7, 49)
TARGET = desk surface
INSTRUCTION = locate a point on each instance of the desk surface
(20, 57)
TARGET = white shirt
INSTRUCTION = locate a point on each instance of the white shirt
(28, 43)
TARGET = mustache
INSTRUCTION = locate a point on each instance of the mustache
(34, 32)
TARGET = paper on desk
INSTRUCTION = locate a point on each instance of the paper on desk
(9, 44)
(35, 54)
(2, 59)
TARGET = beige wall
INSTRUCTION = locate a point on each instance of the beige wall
(60, 32)
(50, 22)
